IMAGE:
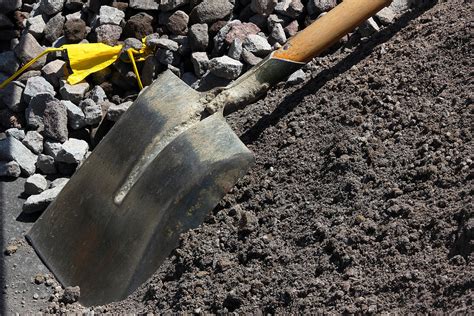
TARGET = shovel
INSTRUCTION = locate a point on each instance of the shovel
(165, 164)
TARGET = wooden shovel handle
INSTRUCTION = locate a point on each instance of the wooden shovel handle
(327, 30)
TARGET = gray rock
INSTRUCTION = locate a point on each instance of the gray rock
(74, 93)
(12, 149)
(235, 49)
(399, 6)
(59, 182)
(54, 29)
(75, 30)
(35, 184)
(12, 94)
(225, 67)
(55, 121)
(169, 5)
(263, 7)
(45, 164)
(166, 56)
(178, 23)
(110, 15)
(296, 77)
(210, 11)
(71, 294)
(108, 34)
(290, 8)
(115, 111)
(200, 63)
(7, 6)
(219, 38)
(35, 86)
(76, 118)
(35, 110)
(154, 41)
(33, 141)
(92, 111)
(368, 28)
(27, 49)
(39, 202)
(8, 62)
(52, 148)
(209, 81)
(54, 71)
(278, 34)
(73, 151)
(386, 16)
(250, 58)
(199, 37)
(257, 45)
(316, 7)
(150, 70)
(35, 26)
(15, 132)
(144, 4)
(51, 7)
(9, 169)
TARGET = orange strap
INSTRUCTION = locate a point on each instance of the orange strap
(328, 29)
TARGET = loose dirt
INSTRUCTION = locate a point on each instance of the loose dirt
(361, 199)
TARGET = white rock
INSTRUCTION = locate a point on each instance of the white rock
(15, 132)
(257, 45)
(35, 184)
(115, 111)
(59, 182)
(97, 94)
(9, 169)
(33, 141)
(52, 148)
(73, 151)
(73, 93)
(12, 149)
(75, 116)
(278, 34)
(386, 16)
(225, 67)
(54, 71)
(39, 202)
(35, 86)
(51, 7)
(110, 15)
(35, 26)
(144, 4)
(200, 63)
(296, 77)
(92, 111)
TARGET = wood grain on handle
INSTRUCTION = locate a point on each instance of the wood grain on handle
(328, 29)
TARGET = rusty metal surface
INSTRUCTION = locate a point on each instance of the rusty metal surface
(156, 174)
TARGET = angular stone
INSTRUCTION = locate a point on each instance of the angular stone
(154, 41)
(35, 86)
(73, 151)
(178, 23)
(51, 7)
(108, 34)
(199, 37)
(55, 121)
(296, 77)
(169, 5)
(35, 110)
(150, 70)
(15, 132)
(210, 11)
(45, 164)
(263, 7)
(97, 94)
(27, 49)
(35, 26)
(115, 111)
(241, 31)
(138, 26)
(225, 67)
(257, 45)
(316, 7)
(278, 34)
(75, 30)
(39, 202)
(9, 169)
(35, 184)
(292, 28)
(12, 149)
(386, 16)
(144, 4)
(8, 62)
(250, 58)
(110, 15)
(33, 141)
(52, 148)
(12, 96)
(54, 71)
(92, 111)
(219, 38)
(200, 63)
(74, 93)
(290, 8)
(54, 29)
(235, 49)
(59, 182)
(368, 28)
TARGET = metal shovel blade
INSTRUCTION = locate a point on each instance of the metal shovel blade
(156, 174)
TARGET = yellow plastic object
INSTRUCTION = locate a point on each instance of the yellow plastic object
(85, 59)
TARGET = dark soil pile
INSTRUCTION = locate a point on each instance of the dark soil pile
(361, 199)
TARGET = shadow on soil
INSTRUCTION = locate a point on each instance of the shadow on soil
(313, 86)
